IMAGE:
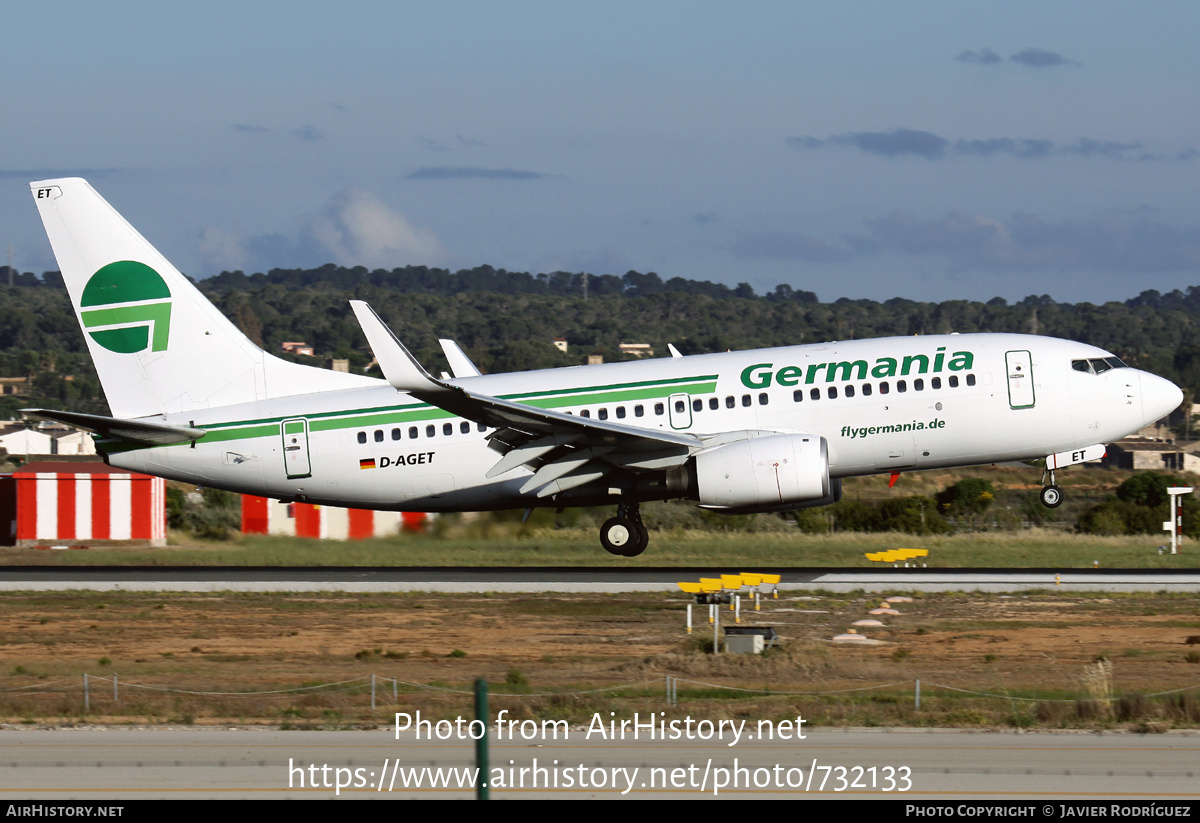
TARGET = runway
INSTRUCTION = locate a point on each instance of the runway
(575, 579)
(96, 765)
(951, 766)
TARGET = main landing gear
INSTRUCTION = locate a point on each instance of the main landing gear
(625, 535)
(1052, 495)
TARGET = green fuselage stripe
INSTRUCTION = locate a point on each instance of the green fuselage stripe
(420, 412)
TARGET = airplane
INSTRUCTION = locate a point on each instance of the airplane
(768, 430)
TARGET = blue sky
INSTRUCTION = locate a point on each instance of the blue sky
(925, 150)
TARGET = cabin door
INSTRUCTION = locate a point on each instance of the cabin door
(1019, 368)
(680, 409)
(295, 448)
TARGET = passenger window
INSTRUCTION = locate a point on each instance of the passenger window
(362, 437)
(412, 432)
(464, 427)
(481, 427)
(901, 386)
(585, 413)
(763, 399)
(866, 388)
(798, 395)
(697, 405)
(395, 434)
(680, 407)
(379, 435)
(832, 392)
(620, 412)
(970, 380)
(883, 387)
(815, 394)
(935, 383)
(602, 414)
(714, 403)
(430, 431)
(919, 384)
(658, 408)
(745, 400)
(954, 381)
(849, 391)
(638, 411)
(447, 428)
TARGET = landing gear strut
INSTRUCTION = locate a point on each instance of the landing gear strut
(1052, 495)
(625, 535)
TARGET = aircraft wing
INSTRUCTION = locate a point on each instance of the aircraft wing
(133, 431)
(564, 451)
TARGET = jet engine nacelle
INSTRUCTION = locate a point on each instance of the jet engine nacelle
(770, 472)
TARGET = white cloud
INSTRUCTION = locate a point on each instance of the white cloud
(359, 229)
(223, 250)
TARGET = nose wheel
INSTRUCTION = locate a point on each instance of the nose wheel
(625, 535)
(1052, 495)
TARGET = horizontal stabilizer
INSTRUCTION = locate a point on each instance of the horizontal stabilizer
(133, 431)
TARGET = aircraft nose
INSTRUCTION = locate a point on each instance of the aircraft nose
(1159, 397)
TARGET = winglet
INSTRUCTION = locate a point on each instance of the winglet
(399, 367)
(460, 364)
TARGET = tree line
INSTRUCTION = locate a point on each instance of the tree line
(506, 321)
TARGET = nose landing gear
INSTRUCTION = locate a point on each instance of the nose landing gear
(1052, 495)
(625, 535)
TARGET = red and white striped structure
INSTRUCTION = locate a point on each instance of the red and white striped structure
(82, 504)
(262, 515)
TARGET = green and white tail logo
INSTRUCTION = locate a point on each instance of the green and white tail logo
(126, 308)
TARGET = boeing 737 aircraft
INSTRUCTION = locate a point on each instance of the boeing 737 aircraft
(769, 430)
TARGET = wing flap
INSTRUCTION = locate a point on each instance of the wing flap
(561, 467)
(568, 482)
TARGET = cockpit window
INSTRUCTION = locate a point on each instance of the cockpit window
(1098, 365)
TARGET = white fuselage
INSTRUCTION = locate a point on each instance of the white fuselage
(884, 405)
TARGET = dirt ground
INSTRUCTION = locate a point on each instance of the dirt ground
(551, 652)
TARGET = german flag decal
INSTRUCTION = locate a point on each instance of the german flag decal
(367, 463)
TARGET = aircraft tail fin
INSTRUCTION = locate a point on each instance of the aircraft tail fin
(158, 344)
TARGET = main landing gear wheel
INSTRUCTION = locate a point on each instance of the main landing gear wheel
(625, 535)
(1052, 497)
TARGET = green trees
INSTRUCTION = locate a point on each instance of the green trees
(968, 498)
(1141, 506)
(913, 515)
(505, 319)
